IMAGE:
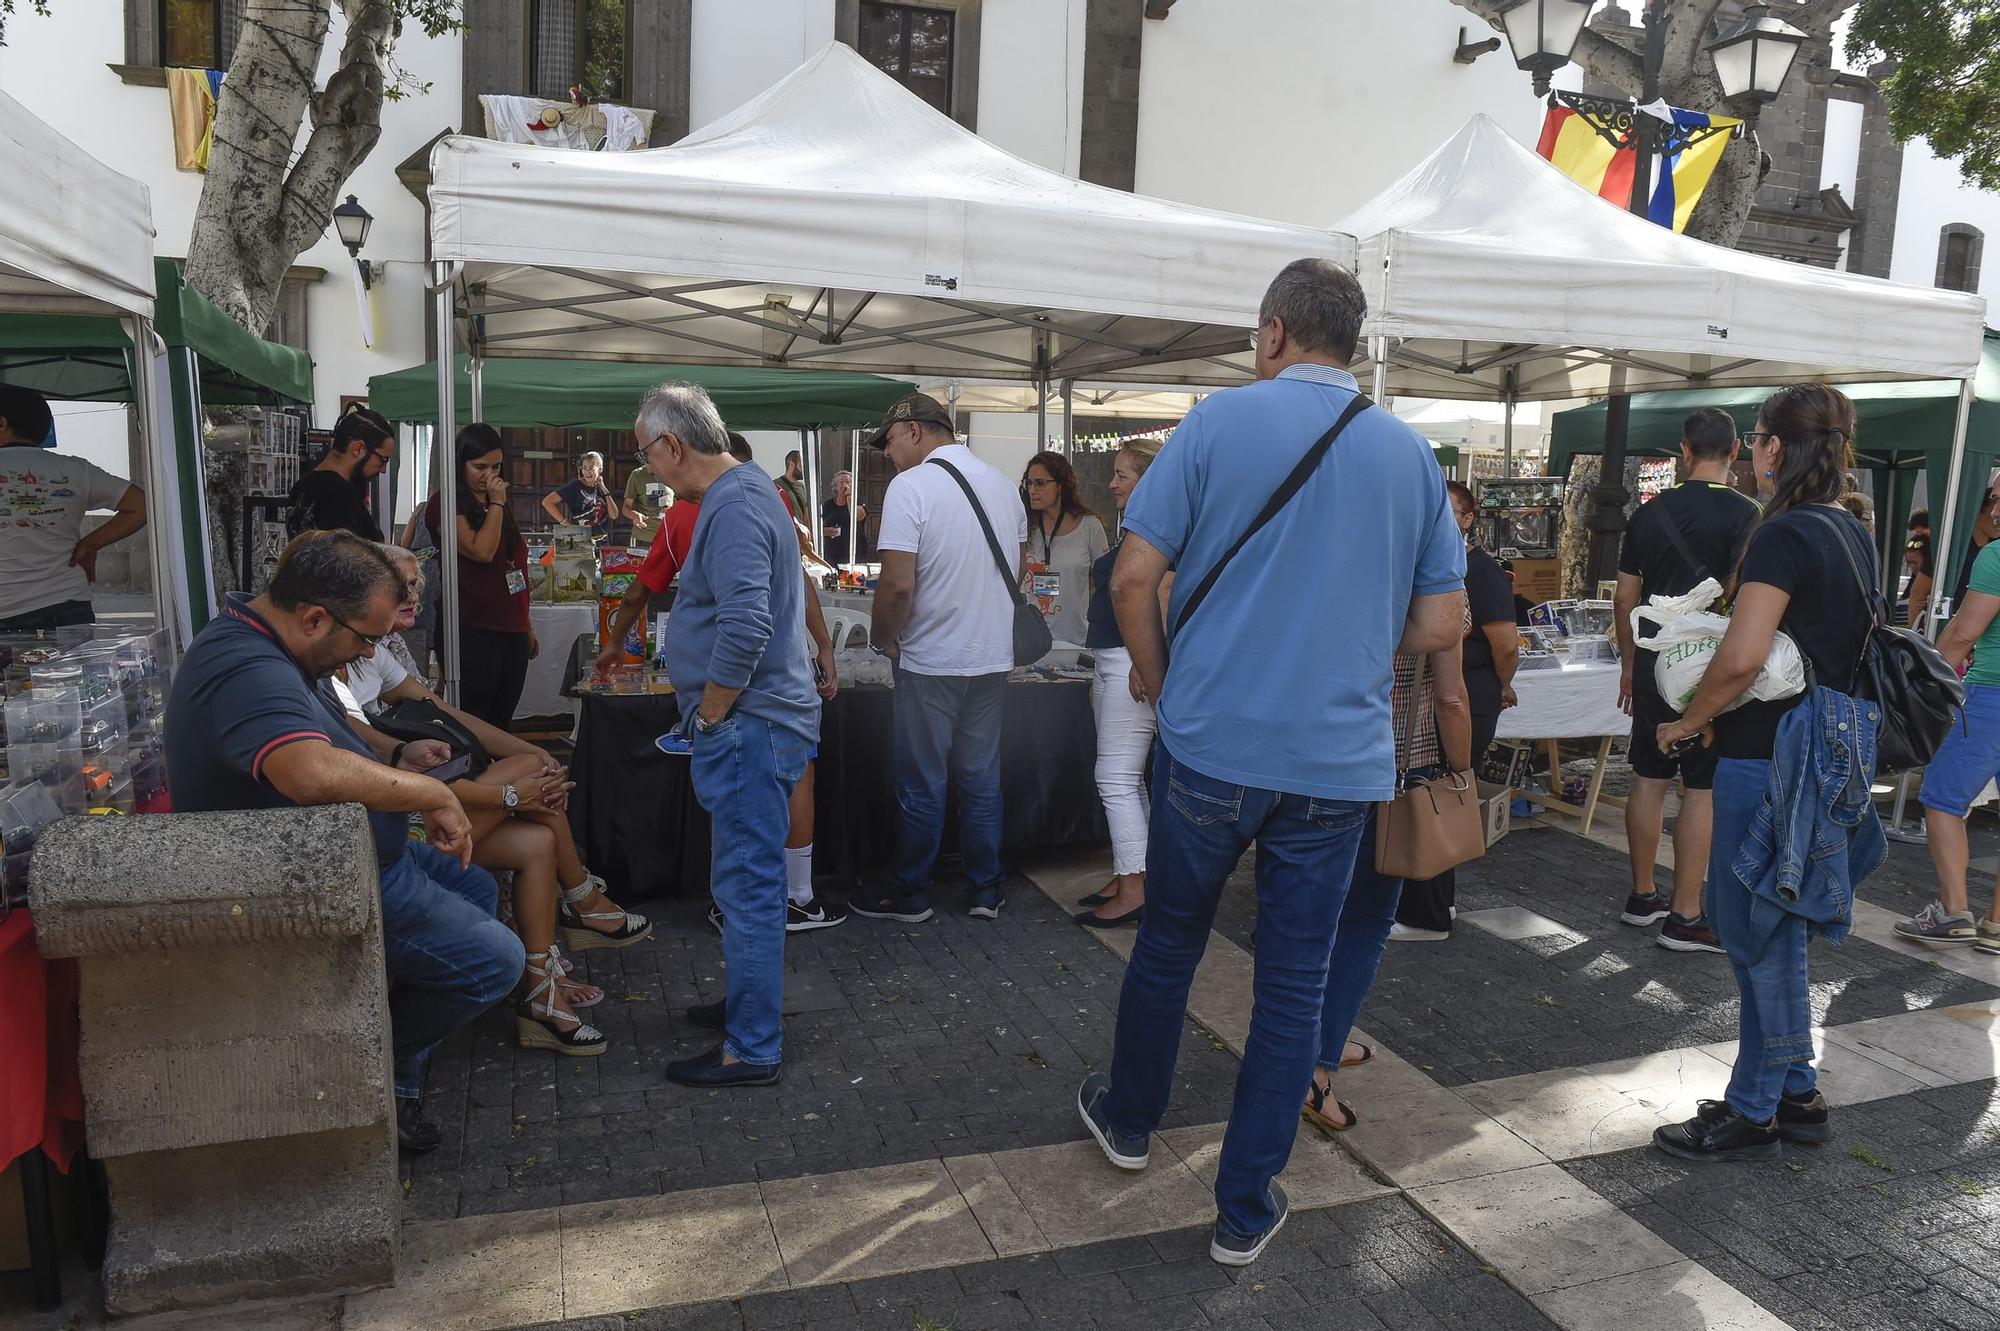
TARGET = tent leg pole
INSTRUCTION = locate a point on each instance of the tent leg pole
(1378, 353)
(809, 458)
(1069, 417)
(854, 496)
(447, 471)
(1042, 416)
(1507, 431)
(1946, 564)
(475, 373)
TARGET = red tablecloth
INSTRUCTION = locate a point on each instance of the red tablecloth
(41, 1095)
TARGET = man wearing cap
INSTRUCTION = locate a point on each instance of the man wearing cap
(944, 614)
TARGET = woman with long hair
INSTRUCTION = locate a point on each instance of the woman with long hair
(496, 637)
(1125, 726)
(1803, 571)
(1064, 540)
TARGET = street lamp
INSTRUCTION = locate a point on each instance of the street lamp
(1542, 35)
(351, 222)
(1751, 63)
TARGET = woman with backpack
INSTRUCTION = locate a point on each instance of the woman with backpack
(1792, 775)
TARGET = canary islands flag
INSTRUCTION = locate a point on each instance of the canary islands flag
(1581, 153)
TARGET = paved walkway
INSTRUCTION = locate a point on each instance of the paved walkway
(921, 1167)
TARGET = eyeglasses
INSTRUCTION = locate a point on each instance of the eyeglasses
(373, 640)
(1038, 484)
(1755, 437)
(645, 448)
(382, 457)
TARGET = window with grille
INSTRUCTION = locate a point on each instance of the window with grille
(913, 45)
(200, 34)
(578, 42)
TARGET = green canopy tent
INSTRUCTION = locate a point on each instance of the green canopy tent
(1902, 429)
(603, 395)
(211, 361)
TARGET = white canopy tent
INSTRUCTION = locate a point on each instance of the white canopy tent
(76, 238)
(837, 222)
(1492, 275)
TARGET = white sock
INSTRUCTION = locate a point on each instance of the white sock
(799, 874)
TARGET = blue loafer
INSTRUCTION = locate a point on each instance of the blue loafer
(709, 1070)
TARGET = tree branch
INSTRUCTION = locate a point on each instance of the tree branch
(347, 121)
(1688, 29)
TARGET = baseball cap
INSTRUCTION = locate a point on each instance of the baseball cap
(911, 407)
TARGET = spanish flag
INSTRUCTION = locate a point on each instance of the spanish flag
(1580, 152)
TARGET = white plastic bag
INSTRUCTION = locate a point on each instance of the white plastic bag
(1688, 634)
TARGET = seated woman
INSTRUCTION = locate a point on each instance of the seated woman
(517, 807)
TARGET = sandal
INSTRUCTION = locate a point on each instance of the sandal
(1314, 1109)
(581, 935)
(543, 1025)
(1367, 1052)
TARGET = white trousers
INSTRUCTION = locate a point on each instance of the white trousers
(1124, 739)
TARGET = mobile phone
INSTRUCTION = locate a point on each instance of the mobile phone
(453, 769)
(819, 673)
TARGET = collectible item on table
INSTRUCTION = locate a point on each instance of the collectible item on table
(1521, 514)
(45, 745)
(572, 566)
(26, 811)
(612, 596)
(1589, 649)
(1688, 634)
(1553, 616)
(1541, 649)
(1590, 619)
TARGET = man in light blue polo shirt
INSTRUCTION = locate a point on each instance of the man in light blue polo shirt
(1274, 718)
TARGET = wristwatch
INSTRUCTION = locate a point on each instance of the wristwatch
(510, 797)
(706, 727)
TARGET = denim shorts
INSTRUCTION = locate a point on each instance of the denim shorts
(1969, 756)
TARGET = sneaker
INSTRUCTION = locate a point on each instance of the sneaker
(1989, 938)
(1235, 1250)
(1403, 933)
(1719, 1133)
(715, 918)
(814, 914)
(912, 909)
(1122, 1151)
(986, 903)
(1932, 925)
(1801, 1118)
(1681, 934)
(1647, 908)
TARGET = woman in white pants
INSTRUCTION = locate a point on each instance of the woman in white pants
(1125, 726)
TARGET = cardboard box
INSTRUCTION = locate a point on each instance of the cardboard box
(1538, 580)
(1493, 810)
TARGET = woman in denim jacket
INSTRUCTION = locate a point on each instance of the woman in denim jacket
(1797, 574)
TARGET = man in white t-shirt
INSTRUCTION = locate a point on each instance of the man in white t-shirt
(944, 614)
(46, 562)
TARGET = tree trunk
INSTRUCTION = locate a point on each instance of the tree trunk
(260, 206)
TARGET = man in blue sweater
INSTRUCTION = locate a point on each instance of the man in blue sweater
(738, 657)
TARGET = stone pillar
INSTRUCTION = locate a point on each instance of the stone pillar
(1112, 35)
(235, 1049)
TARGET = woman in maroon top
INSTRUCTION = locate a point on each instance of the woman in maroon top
(495, 635)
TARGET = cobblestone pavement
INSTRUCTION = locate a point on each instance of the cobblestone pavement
(1893, 1224)
(1372, 1266)
(1481, 1007)
(902, 1042)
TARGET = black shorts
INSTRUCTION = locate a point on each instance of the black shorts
(1695, 766)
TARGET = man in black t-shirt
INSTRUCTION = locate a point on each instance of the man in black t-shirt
(334, 495)
(1694, 531)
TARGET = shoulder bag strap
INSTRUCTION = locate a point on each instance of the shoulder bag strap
(1679, 539)
(1872, 595)
(992, 541)
(1293, 483)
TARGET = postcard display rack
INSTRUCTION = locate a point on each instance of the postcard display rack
(85, 734)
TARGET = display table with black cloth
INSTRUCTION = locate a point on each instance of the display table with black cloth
(639, 824)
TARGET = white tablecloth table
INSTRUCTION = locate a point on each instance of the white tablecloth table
(1575, 702)
(557, 626)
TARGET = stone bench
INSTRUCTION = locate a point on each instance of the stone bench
(235, 1050)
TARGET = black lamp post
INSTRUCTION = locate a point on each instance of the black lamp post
(351, 222)
(1750, 63)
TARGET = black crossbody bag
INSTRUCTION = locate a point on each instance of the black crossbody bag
(1280, 497)
(1032, 639)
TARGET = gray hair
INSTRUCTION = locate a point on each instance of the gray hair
(411, 567)
(684, 411)
(837, 475)
(1320, 304)
(592, 456)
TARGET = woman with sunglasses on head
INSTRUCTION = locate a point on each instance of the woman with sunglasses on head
(496, 636)
(334, 495)
(1064, 539)
(1806, 570)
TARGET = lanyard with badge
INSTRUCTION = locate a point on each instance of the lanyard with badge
(1048, 583)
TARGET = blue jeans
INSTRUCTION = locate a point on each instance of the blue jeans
(1358, 945)
(448, 958)
(947, 730)
(744, 771)
(1774, 1034)
(1305, 855)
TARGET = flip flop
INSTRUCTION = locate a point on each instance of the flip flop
(1314, 1110)
(1367, 1052)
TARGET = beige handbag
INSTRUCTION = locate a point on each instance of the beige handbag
(1432, 825)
